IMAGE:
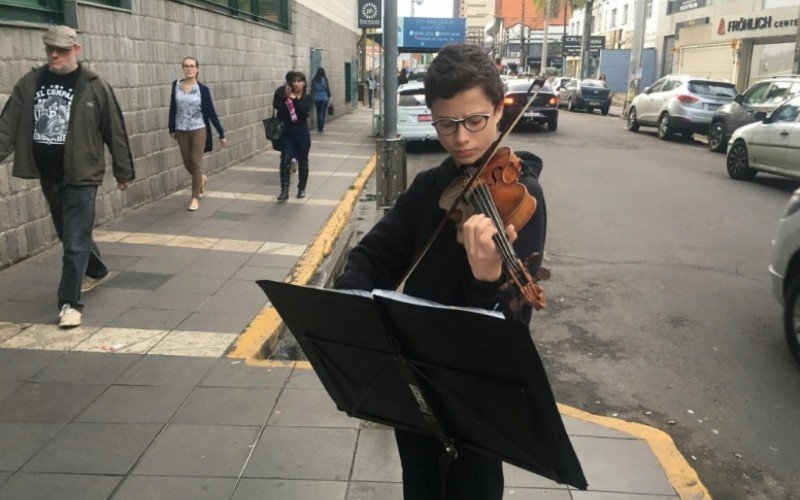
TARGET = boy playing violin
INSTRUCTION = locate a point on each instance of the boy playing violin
(465, 95)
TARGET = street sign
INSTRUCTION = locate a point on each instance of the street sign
(369, 13)
(429, 33)
(552, 62)
(573, 45)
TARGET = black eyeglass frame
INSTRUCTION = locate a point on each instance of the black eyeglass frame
(462, 121)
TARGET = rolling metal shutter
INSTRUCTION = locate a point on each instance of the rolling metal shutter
(708, 61)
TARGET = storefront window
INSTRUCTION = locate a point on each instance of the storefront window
(771, 60)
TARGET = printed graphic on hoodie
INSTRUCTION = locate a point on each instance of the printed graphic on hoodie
(51, 113)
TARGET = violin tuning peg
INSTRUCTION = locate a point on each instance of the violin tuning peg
(543, 274)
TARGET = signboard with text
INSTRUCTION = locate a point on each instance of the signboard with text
(573, 45)
(429, 34)
(675, 6)
(755, 24)
(369, 13)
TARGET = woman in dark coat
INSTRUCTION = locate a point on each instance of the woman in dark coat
(322, 97)
(293, 111)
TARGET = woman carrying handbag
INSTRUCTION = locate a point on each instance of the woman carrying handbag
(293, 111)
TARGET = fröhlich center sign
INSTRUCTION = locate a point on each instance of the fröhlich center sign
(429, 34)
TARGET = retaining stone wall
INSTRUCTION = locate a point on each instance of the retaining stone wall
(139, 54)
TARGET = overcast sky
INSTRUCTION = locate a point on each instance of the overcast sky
(428, 8)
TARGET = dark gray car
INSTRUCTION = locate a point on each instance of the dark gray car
(763, 96)
(585, 94)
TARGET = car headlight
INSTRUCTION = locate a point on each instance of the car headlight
(793, 205)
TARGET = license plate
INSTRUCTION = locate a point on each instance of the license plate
(533, 114)
(594, 103)
(424, 118)
(712, 107)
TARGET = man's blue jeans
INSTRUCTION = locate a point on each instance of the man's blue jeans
(73, 211)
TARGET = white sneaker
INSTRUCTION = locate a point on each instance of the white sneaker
(89, 283)
(69, 317)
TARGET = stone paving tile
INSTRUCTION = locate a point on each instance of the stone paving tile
(237, 297)
(235, 373)
(19, 441)
(6, 388)
(266, 260)
(166, 299)
(253, 273)
(60, 486)
(98, 315)
(577, 427)
(87, 368)
(150, 319)
(8, 330)
(535, 494)
(38, 292)
(10, 287)
(304, 378)
(177, 371)
(129, 404)
(183, 343)
(603, 495)
(517, 477)
(94, 448)
(169, 265)
(121, 340)
(227, 406)
(191, 283)
(119, 262)
(211, 321)
(42, 402)
(377, 459)
(194, 488)
(374, 491)
(105, 295)
(309, 408)
(333, 454)
(198, 450)
(15, 311)
(256, 489)
(614, 475)
(49, 337)
(139, 280)
(23, 364)
(3, 477)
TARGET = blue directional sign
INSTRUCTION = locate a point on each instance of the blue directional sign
(429, 33)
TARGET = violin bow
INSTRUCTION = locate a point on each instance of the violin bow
(491, 151)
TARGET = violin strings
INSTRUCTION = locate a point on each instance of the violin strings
(482, 198)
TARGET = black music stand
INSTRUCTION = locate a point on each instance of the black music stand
(467, 377)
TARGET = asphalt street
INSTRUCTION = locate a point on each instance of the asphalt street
(661, 310)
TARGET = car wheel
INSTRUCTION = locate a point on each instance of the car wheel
(570, 106)
(633, 123)
(791, 318)
(552, 125)
(738, 164)
(716, 138)
(604, 111)
(664, 131)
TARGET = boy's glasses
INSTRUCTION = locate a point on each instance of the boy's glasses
(473, 123)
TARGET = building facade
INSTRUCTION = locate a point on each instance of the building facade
(478, 13)
(741, 41)
(244, 47)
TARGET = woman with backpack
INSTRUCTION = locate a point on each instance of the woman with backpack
(322, 96)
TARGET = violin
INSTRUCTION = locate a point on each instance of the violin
(494, 190)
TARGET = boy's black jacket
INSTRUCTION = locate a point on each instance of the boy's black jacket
(443, 275)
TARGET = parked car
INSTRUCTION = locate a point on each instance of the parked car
(559, 82)
(413, 115)
(544, 108)
(771, 144)
(784, 269)
(764, 96)
(679, 103)
(586, 94)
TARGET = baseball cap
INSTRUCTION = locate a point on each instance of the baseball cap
(60, 36)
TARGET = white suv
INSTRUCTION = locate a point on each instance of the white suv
(785, 271)
(413, 116)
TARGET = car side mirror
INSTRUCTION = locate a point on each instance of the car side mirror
(646, 90)
(739, 98)
(761, 116)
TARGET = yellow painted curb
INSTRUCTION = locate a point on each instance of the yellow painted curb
(680, 474)
(267, 323)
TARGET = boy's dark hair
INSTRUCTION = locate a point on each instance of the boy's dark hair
(462, 67)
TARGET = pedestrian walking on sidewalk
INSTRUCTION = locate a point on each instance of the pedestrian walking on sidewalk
(372, 86)
(191, 114)
(322, 97)
(465, 95)
(293, 111)
(56, 121)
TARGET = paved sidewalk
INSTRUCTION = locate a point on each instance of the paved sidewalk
(141, 403)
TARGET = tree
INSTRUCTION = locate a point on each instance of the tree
(570, 6)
